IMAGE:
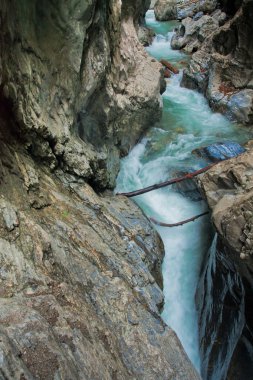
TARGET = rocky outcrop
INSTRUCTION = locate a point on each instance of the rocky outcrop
(191, 33)
(79, 294)
(165, 10)
(229, 191)
(226, 287)
(222, 67)
(75, 79)
(178, 9)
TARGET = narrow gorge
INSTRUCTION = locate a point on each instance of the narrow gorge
(89, 288)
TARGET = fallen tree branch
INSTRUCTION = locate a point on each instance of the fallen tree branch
(179, 223)
(169, 66)
(166, 183)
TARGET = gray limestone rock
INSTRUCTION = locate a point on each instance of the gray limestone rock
(74, 76)
(178, 9)
(80, 285)
(222, 67)
(192, 33)
(165, 10)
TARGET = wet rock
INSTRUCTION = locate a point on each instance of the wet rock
(240, 106)
(197, 16)
(221, 303)
(187, 188)
(220, 151)
(152, 4)
(145, 35)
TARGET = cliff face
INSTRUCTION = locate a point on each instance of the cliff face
(222, 67)
(79, 294)
(226, 287)
(77, 79)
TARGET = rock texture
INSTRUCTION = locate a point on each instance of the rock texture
(77, 78)
(222, 67)
(178, 9)
(80, 276)
(191, 33)
(225, 309)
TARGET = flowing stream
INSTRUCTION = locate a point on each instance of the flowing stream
(187, 123)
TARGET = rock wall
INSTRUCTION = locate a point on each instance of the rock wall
(79, 293)
(78, 79)
(226, 287)
(222, 67)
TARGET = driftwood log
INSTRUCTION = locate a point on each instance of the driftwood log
(162, 224)
(169, 66)
(167, 73)
(166, 183)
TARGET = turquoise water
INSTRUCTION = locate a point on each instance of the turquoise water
(187, 123)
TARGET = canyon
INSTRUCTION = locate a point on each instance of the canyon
(81, 286)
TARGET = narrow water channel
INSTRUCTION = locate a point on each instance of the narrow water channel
(187, 123)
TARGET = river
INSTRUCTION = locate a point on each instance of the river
(187, 123)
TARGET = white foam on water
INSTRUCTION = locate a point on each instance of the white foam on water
(187, 123)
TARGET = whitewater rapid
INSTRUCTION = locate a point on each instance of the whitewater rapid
(187, 123)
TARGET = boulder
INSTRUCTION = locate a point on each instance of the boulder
(166, 10)
(192, 33)
(177, 9)
(220, 151)
(187, 188)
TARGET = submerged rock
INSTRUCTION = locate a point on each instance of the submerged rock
(187, 188)
(220, 151)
